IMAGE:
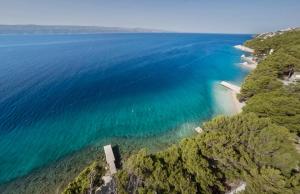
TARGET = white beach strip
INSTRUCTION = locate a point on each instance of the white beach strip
(249, 60)
(244, 48)
(224, 103)
(237, 104)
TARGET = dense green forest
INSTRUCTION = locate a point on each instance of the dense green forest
(263, 89)
(240, 148)
(257, 147)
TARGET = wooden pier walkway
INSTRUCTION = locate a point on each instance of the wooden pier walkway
(244, 48)
(232, 87)
(110, 159)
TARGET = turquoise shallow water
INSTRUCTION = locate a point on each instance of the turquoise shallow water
(61, 93)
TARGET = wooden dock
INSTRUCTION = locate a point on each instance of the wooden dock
(110, 159)
(232, 87)
(244, 48)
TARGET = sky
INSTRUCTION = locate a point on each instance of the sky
(215, 16)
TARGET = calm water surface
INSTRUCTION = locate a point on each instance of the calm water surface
(61, 93)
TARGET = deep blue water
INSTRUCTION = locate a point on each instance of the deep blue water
(60, 93)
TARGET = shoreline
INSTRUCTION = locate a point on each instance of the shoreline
(249, 61)
(237, 104)
(226, 99)
(234, 90)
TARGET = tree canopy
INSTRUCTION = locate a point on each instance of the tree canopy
(232, 148)
(88, 179)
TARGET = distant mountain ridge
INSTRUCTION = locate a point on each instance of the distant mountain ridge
(66, 29)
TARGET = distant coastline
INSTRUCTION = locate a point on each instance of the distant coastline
(69, 29)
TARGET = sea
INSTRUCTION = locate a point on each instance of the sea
(63, 93)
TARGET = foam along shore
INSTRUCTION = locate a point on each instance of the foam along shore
(234, 91)
(250, 59)
(249, 62)
(244, 48)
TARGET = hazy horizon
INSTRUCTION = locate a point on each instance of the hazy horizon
(126, 28)
(195, 16)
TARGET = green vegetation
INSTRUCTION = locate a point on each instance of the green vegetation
(243, 147)
(89, 178)
(289, 40)
(263, 91)
(265, 77)
(280, 106)
(256, 147)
